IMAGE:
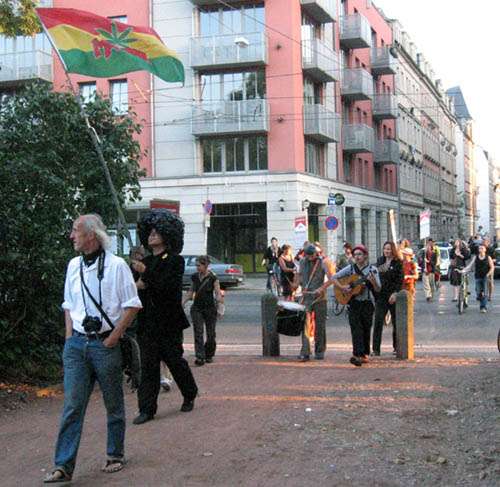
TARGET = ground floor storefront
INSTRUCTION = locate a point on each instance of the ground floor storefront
(247, 211)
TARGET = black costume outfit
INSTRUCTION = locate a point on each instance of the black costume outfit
(392, 282)
(457, 262)
(160, 331)
(204, 312)
(287, 278)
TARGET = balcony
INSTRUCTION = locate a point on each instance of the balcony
(319, 61)
(355, 32)
(322, 11)
(204, 3)
(17, 67)
(222, 51)
(386, 152)
(230, 117)
(385, 106)
(321, 124)
(357, 138)
(357, 84)
(383, 62)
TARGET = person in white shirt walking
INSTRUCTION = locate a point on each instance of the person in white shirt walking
(91, 351)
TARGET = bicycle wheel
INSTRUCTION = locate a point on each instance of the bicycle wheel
(338, 308)
(498, 341)
(388, 319)
(275, 287)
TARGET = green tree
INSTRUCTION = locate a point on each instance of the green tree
(49, 173)
(18, 17)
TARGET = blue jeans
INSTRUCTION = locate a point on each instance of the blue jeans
(84, 363)
(481, 287)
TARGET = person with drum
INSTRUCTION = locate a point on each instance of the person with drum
(311, 276)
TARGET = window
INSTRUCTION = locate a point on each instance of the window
(315, 159)
(87, 91)
(312, 92)
(234, 154)
(119, 96)
(230, 20)
(245, 85)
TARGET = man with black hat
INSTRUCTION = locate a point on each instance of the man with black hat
(312, 272)
(162, 320)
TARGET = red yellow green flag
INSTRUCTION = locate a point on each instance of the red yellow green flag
(100, 47)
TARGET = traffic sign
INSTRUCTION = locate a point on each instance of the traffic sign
(331, 199)
(208, 207)
(339, 199)
(331, 223)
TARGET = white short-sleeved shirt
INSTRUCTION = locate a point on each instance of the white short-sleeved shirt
(118, 291)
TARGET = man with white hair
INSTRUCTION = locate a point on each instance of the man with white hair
(99, 286)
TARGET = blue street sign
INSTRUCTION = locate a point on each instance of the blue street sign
(331, 223)
(331, 199)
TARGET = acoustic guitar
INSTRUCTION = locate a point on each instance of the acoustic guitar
(357, 284)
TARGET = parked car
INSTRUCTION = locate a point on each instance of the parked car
(445, 261)
(497, 262)
(228, 274)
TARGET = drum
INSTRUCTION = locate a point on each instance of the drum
(290, 318)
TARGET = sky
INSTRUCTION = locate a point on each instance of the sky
(460, 39)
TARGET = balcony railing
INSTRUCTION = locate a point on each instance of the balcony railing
(230, 117)
(202, 3)
(323, 11)
(386, 152)
(355, 32)
(26, 65)
(385, 106)
(229, 50)
(383, 62)
(319, 61)
(321, 124)
(357, 84)
(357, 138)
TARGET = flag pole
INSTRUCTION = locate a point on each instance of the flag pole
(97, 146)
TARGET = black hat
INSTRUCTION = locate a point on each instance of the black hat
(310, 250)
(167, 224)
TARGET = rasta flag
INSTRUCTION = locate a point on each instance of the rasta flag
(96, 46)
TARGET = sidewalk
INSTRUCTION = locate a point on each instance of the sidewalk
(277, 422)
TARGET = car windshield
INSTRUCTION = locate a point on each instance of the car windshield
(213, 260)
(444, 254)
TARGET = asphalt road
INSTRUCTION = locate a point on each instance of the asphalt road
(437, 324)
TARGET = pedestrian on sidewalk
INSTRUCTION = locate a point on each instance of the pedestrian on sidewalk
(288, 270)
(162, 320)
(490, 252)
(459, 255)
(390, 268)
(91, 350)
(270, 260)
(410, 271)
(483, 267)
(360, 307)
(137, 254)
(206, 295)
(311, 276)
(428, 263)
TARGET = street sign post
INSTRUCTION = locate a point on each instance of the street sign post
(339, 199)
(425, 224)
(331, 199)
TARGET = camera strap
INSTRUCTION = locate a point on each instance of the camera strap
(100, 275)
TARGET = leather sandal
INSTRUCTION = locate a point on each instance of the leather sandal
(113, 465)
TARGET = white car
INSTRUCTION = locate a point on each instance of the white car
(444, 267)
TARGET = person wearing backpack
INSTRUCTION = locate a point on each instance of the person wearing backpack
(206, 295)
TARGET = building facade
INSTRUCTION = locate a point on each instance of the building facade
(426, 137)
(276, 113)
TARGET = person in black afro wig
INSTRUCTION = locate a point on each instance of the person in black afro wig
(167, 224)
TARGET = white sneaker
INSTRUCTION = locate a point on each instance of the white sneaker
(483, 311)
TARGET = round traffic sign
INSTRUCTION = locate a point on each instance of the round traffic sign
(331, 223)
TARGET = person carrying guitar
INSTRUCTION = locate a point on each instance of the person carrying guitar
(359, 280)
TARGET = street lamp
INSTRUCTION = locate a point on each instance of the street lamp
(305, 204)
(281, 202)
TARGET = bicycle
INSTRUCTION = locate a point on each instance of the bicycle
(274, 283)
(463, 292)
(337, 308)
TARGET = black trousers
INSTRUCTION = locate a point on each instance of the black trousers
(382, 306)
(204, 318)
(167, 347)
(360, 321)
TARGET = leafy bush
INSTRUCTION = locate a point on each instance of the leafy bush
(49, 174)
